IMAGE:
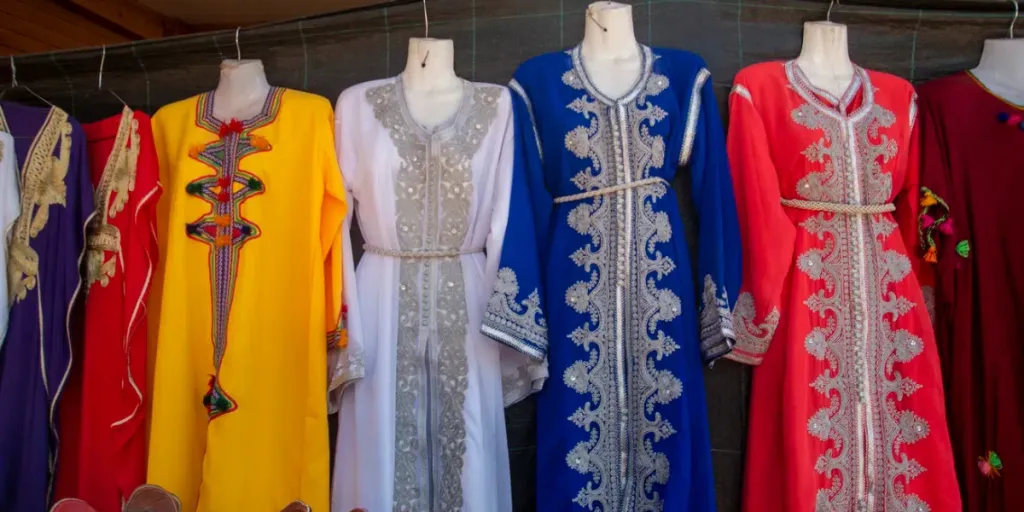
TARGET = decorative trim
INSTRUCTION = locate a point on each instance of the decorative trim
(692, 116)
(646, 61)
(752, 338)
(519, 325)
(717, 337)
(935, 220)
(741, 91)
(604, 191)
(913, 112)
(518, 89)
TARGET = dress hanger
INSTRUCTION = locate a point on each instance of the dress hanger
(16, 85)
(828, 15)
(238, 48)
(1016, 14)
(426, 32)
(99, 83)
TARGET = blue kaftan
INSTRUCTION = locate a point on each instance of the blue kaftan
(596, 278)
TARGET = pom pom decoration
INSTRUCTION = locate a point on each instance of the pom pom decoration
(259, 142)
(963, 248)
(1003, 117)
(223, 196)
(194, 189)
(232, 126)
(990, 465)
(931, 256)
(223, 240)
(255, 184)
(926, 222)
(222, 220)
(928, 199)
(196, 150)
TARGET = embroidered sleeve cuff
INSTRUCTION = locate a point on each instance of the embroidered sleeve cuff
(752, 339)
(716, 334)
(518, 324)
(348, 366)
(523, 381)
(514, 336)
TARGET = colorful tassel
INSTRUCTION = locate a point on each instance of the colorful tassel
(990, 465)
(928, 200)
(224, 182)
(246, 230)
(222, 220)
(255, 184)
(192, 229)
(1003, 117)
(232, 126)
(926, 221)
(963, 248)
(223, 196)
(194, 189)
(946, 228)
(223, 240)
(932, 255)
(259, 142)
(194, 151)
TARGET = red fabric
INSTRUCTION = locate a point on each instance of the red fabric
(846, 409)
(972, 160)
(102, 458)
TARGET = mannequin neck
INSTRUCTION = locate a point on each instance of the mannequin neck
(430, 65)
(611, 35)
(1001, 68)
(825, 56)
(243, 86)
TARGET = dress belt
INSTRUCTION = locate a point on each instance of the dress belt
(418, 254)
(610, 190)
(850, 209)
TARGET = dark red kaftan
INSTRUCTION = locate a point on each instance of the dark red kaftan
(973, 164)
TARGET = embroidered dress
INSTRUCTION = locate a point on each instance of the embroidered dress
(248, 297)
(846, 408)
(971, 175)
(599, 284)
(104, 453)
(45, 249)
(9, 209)
(421, 423)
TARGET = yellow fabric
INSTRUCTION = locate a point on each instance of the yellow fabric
(273, 448)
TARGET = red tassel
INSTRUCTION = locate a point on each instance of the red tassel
(947, 227)
(224, 182)
(232, 126)
(223, 196)
(926, 222)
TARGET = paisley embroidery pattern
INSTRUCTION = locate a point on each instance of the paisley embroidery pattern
(432, 200)
(861, 424)
(520, 326)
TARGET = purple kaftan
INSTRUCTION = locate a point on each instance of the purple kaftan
(45, 249)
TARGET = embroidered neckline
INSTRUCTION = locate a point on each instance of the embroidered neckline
(266, 115)
(646, 61)
(443, 128)
(826, 101)
(977, 81)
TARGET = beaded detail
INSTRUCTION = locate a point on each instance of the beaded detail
(935, 220)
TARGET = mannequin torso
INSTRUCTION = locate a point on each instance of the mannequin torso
(609, 50)
(1001, 69)
(242, 89)
(825, 58)
(432, 90)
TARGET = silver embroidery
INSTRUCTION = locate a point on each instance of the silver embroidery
(741, 91)
(432, 201)
(515, 87)
(862, 426)
(621, 339)
(716, 331)
(693, 114)
(752, 339)
(520, 326)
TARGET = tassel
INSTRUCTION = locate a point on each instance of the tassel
(259, 142)
(194, 189)
(224, 182)
(926, 222)
(1003, 117)
(990, 465)
(928, 200)
(194, 151)
(932, 255)
(223, 240)
(255, 184)
(963, 248)
(223, 196)
(222, 220)
(232, 126)
(946, 227)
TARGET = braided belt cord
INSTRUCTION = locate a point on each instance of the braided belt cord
(610, 190)
(431, 254)
(849, 209)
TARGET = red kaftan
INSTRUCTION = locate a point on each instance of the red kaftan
(103, 456)
(846, 408)
(973, 165)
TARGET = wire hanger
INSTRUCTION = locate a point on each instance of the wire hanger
(16, 85)
(99, 82)
(426, 32)
(1016, 14)
(238, 48)
(828, 15)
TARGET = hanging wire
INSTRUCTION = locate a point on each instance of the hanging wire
(99, 82)
(238, 48)
(828, 15)
(590, 14)
(1016, 14)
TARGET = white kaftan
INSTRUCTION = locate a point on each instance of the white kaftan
(9, 209)
(421, 424)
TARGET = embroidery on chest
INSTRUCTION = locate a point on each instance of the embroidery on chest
(42, 186)
(111, 195)
(433, 192)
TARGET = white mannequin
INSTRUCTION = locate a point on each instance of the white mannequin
(433, 91)
(609, 51)
(1002, 69)
(242, 89)
(825, 57)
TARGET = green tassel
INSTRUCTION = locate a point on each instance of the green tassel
(963, 248)
(194, 189)
(255, 184)
(995, 461)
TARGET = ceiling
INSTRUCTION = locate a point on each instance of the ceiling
(245, 12)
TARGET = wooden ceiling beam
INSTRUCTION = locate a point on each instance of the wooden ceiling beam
(127, 15)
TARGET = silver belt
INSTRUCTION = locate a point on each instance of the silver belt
(610, 190)
(851, 209)
(420, 253)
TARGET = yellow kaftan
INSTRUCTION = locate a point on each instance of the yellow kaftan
(247, 302)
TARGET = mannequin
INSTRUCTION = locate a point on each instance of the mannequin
(825, 58)
(610, 52)
(433, 91)
(242, 89)
(1001, 69)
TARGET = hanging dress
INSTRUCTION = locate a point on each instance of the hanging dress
(9, 209)
(421, 424)
(599, 282)
(846, 410)
(971, 177)
(246, 303)
(45, 251)
(104, 454)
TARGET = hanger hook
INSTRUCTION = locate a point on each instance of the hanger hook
(828, 15)
(426, 21)
(14, 73)
(1016, 14)
(238, 49)
(590, 14)
(103, 59)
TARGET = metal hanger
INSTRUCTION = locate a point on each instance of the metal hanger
(1016, 14)
(16, 85)
(99, 82)
(426, 32)
(828, 15)
(238, 48)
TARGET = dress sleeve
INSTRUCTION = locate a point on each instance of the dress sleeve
(521, 373)
(766, 233)
(718, 247)
(515, 312)
(346, 357)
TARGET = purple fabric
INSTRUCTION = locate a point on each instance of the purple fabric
(36, 354)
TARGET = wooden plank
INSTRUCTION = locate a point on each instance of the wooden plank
(126, 14)
(7, 50)
(49, 13)
(23, 43)
(36, 29)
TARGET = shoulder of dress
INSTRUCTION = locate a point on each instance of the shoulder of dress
(683, 60)
(181, 110)
(358, 91)
(308, 99)
(762, 72)
(946, 86)
(542, 67)
(887, 82)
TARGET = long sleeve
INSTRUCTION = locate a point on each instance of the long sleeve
(521, 373)
(766, 233)
(718, 257)
(347, 356)
(515, 312)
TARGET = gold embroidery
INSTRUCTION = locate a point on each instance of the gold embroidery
(42, 185)
(111, 196)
